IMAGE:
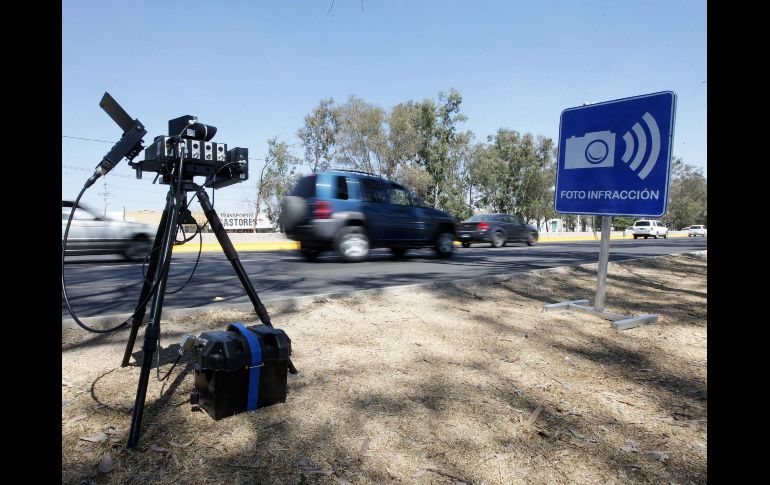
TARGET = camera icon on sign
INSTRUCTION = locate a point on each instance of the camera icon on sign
(593, 150)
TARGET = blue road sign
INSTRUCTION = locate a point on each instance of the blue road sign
(614, 157)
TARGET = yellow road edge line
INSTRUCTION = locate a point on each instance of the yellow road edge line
(292, 245)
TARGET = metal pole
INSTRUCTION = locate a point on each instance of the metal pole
(604, 256)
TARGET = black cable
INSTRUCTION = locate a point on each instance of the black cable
(197, 260)
(169, 371)
(64, 283)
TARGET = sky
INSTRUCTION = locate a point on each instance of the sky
(256, 68)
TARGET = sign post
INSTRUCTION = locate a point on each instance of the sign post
(614, 160)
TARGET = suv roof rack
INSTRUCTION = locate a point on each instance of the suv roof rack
(332, 169)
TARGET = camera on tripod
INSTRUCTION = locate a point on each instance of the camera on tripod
(190, 141)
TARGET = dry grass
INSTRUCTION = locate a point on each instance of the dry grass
(454, 383)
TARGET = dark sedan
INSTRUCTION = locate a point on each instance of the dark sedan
(496, 229)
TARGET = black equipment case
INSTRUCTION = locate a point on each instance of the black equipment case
(241, 369)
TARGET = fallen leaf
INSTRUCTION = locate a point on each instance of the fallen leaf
(106, 464)
(158, 449)
(658, 455)
(533, 417)
(630, 447)
(77, 418)
(307, 466)
(364, 446)
(182, 445)
(97, 438)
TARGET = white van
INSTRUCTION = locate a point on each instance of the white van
(649, 228)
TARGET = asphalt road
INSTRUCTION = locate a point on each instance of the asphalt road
(105, 285)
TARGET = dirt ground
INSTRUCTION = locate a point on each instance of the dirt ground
(452, 383)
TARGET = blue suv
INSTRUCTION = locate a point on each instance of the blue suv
(353, 212)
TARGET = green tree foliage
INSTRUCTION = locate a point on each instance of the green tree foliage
(570, 222)
(514, 174)
(319, 135)
(620, 223)
(362, 139)
(686, 196)
(279, 175)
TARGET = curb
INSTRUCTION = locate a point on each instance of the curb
(108, 321)
(292, 245)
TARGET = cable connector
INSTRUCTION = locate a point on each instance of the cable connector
(189, 341)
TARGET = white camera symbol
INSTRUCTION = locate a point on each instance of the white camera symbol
(593, 150)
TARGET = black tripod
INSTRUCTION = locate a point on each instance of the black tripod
(160, 260)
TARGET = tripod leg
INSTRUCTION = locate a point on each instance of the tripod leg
(141, 306)
(232, 256)
(152, 333)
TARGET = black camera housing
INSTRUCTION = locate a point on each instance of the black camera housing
(189, 143)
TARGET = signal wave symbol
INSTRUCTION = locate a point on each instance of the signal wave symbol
(640, 136)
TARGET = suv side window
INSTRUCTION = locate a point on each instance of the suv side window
(399, 196)
(516, 220)
(305, 187)
(342, 188)
(373, 191)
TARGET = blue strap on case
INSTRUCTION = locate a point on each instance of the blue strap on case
(256, 362)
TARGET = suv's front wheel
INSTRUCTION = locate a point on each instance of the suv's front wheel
(352, 244)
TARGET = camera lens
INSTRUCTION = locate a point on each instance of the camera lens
(597, 151)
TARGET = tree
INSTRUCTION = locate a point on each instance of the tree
(515, 174)
(361, 140)
(622, 223)
(687, 196)
(583, 221)
(401, 149)
(438, 149)
(570, 222)
(276, 179)
(319, 135)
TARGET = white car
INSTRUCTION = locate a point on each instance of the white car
(696, 231)
(649, 228)
(91, 234)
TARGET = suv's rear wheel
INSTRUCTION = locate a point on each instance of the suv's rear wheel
(138, 249)
(352, 243)
(445, 244)
(531, 239)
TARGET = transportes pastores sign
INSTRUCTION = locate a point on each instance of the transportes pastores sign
(615, 157)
